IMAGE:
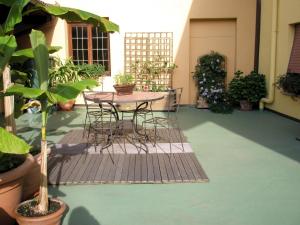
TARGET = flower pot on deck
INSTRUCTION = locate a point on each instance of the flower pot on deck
(32, 179)
(66, 106)
(11, 190)
(53, 218)
(245, 105)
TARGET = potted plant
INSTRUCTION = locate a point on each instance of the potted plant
(289, 83)
(124, 84)
(43, 210)
(210, 76)
(14, 164)
(247, 90)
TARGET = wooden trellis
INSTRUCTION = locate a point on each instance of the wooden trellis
(149, 48)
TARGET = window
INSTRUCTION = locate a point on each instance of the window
(87, 44)
(294, 64)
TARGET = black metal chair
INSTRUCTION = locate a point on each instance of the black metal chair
(169, 121)
(102, 122)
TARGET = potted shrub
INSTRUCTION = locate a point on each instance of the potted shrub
(289, 83)
(210, 76)
(14, 164)
(62, 73)
(43, 210)
(124, 84)
(247, 90)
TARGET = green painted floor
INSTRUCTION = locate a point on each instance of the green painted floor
(251, 158)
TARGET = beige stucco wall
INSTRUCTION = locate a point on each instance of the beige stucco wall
(168, 16)
(288, 14)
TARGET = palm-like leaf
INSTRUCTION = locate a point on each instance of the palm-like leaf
(26, 92)
(8, 45)
(15, 14)
(65, 92)
(10, 143)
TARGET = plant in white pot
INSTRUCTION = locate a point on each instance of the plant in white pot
(42, 209)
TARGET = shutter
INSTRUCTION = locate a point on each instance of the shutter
(294, 64)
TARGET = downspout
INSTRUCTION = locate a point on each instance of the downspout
(270, 97)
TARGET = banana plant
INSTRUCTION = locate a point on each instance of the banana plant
(46, 96)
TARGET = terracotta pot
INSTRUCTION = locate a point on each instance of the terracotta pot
(31, 182)
(11, 190)
(124, 89)
(245, 105)
(66, 106)
(51, 219)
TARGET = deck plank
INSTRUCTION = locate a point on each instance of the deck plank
(156, 169)
(186, 167)
(180, 168)
(174, 166)
(150, 169)
(169, 169)
(124, 176)
(131, 168)
(138, 168)
(120, 164)
(144, 169)
(162, 167)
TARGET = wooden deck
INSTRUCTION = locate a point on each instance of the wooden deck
(78, 163)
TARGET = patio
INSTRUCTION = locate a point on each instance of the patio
(251, 160)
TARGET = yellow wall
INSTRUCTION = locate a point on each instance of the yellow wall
(288, 14)
(169, 16)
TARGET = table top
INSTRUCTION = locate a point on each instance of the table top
(136, 96)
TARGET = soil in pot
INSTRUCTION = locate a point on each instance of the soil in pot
(246, 105)
(27, 215)
(11, 190)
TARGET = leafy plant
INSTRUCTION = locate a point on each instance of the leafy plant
(251, 87)
(153, 75)
(210, 75)
(124, 79)
(289, 83)
(12, 150)
(63, 72)
(46, 96)
(91, 71)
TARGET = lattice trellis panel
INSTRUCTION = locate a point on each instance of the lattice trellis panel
(149, 50)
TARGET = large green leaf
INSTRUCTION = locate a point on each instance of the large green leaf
(10, 143)
(8, 45)
(8, 3)
(76, 15)
(15, 15)
(26, 92)
(24, 54)
(41, 57)
(65, 92)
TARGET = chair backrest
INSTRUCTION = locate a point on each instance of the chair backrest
(174, 99)
(104, 102)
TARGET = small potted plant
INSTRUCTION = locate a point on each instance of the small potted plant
(247, 89)
(124, 84)
(289, 83)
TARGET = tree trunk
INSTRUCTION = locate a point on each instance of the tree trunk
(10, 124)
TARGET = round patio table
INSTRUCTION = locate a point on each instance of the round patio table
(142, 100)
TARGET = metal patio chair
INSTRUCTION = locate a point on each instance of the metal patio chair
(169, 120)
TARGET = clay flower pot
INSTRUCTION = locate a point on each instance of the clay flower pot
(124, 89)
(245, 105)
(66, 106)
(50, 219)
(11, 190)
(31, 183)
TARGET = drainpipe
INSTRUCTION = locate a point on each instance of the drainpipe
(270, 98)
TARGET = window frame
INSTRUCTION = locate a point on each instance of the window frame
(90, 43)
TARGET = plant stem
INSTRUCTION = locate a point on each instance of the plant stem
(43, 196)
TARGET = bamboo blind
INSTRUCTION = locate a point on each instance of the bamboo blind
(146, 47)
